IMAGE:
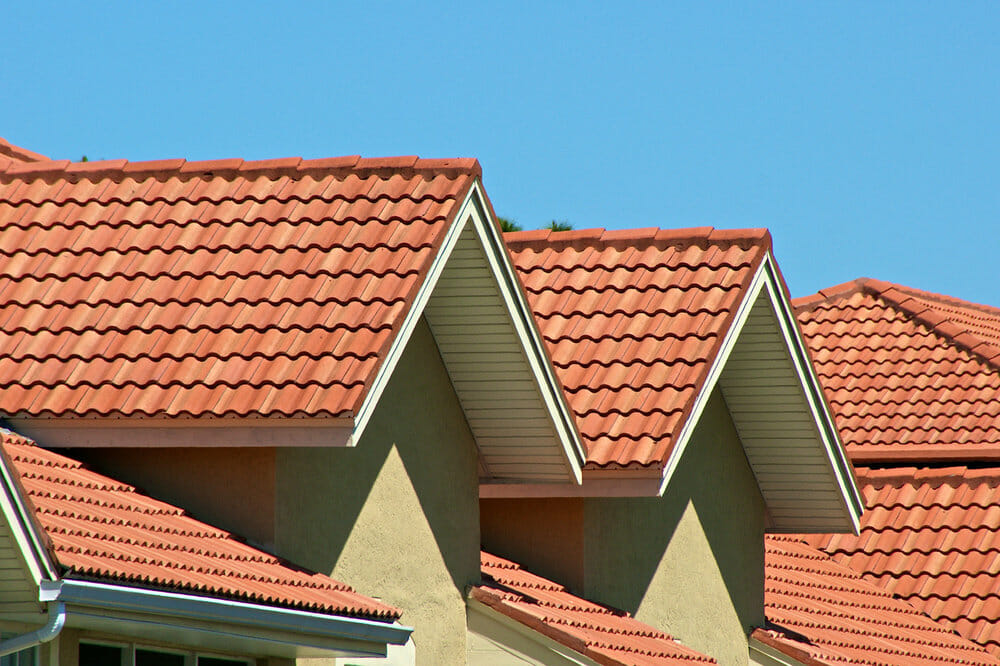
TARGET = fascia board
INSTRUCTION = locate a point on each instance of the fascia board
(714, 372)
(184, 609)
(561, 653)
(775, 657)
(474, 211)
(409, 323)
(766, 281)
(527, 331)
(23, 528)
(832, 445)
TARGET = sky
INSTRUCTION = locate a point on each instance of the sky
(864, 135)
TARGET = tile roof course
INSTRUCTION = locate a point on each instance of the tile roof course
(633, 320)
(910, 376)
(822, 612)
(219, 288)
(605, 635)
(102, 530)
(931, 537)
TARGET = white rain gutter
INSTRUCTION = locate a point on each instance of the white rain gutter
(57, 618)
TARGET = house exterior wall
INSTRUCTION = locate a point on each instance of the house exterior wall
(397, 517)
(691, 562)
(231, 488)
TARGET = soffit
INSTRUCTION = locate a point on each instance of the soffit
(903, 381)
(601, 633)
(488, 364)
(223, 288)
(823, 611)
(931, 537)
(100, 529)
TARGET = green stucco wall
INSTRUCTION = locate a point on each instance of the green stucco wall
(692, 561)
(397, 517)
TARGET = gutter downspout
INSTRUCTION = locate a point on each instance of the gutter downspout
(57, 618)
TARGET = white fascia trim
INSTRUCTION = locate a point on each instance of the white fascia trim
(772, 654)
(410, 321)
(766, 279)
(832, 445)
(527, 332)
(565, 652)
(714, 372)
(474, 209)
(187, 607)
(22, 527)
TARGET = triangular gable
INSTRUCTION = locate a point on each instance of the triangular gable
(643, 325)
(233, 303)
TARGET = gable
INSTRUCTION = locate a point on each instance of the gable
(643, 325)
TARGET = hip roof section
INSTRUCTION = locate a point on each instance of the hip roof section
(222, 288)
(931, 537)
(910, 376)
(99, 529)
(603, 634)
(821, 612)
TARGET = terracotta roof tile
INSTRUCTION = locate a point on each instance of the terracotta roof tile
(633, 320)
(909, 375)
(10, 152)
(931, 536)
(104, 530)
(603, 634)
(823, 612)
(180, 277)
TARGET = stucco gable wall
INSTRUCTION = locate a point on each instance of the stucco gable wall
(397, 517)
(690, 563)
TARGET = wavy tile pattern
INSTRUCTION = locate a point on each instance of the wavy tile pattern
(218, 288)
(845, 619)
(931, 537)
(908, 374)
(605, 635)
(633, 321)
(104, 530)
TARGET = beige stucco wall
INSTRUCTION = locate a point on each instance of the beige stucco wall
(692, 561)
(397, 517)
(231, 488)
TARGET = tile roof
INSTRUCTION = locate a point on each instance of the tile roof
(605, 635)
(216, 288)
(633, 320)
(102, 530)
(909, 375)
(12, 153)
(822, 612)
(931, 537)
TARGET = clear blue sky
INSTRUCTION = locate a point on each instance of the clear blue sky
(866, 136)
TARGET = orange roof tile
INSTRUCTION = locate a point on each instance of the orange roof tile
(217, 288)
(932, 538)
(103, 530)
(909, 375)
(633, 320)
(605, 635)
(822, 612)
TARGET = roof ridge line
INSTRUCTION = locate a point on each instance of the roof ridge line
(811, 302)
(545, 238)
(19, 154)
(907, 303)
(296, 167)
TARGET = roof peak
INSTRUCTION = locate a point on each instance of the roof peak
(911, 302)
(295, 167)
(18, 154)
(546, 238)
